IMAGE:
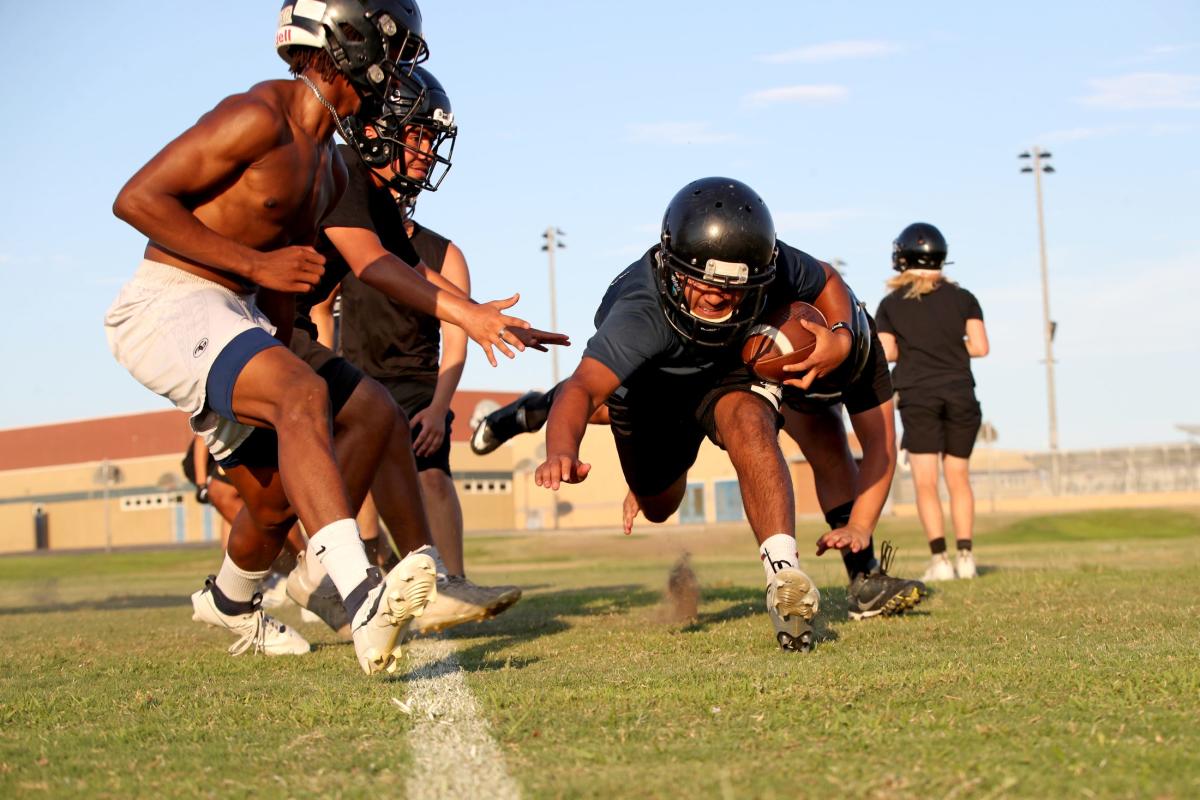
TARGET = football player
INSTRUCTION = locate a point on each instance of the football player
(390, 327)
(932, 328)
(665, 360)
(851, 495)
(230, 207)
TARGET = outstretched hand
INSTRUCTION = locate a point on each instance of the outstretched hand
(560, 468)
(850, 537)
(538, 339)
(489, 328)
(831, 350)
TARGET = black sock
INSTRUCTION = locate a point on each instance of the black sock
(371, 547)
(230, 608)
(861, 563)
(937, 546)
(963, 544)
(358, 596)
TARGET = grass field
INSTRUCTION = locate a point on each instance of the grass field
(1071, 667)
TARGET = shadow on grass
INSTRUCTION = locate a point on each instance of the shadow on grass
(124, 602)
(540, 615)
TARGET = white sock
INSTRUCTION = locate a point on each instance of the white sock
(340, 551)
(237, 584)
(778, 552)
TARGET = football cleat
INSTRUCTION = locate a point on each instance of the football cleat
(964, 565)
(389, 610)
(257, 632)
(274, 591)
(940, 569)
(792, 602)
(320, 599)
(878, 594)
(460, 600)
(504, 423)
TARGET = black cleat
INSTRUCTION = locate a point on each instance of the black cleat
(504, 423)
(879, 594)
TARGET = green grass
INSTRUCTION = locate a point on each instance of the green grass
(1069, 667)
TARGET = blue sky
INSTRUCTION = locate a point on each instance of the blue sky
(852, 120)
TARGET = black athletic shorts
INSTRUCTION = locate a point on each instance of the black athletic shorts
(943, 419)
(658, 425)
(261, 448)
(871, 389)
(413, 396)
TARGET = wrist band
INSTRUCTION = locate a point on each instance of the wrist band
(841, 326)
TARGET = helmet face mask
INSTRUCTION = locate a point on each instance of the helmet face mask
(919, 246)
(716, 232)
(371, 42)
(416, 121)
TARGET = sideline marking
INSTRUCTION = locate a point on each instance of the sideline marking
(454, 754)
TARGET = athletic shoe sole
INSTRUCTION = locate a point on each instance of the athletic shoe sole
(407, 589)
(495, 609)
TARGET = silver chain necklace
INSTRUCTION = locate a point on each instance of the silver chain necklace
(332, 111)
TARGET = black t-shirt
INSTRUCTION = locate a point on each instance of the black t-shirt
(929, 333)
(363, 205)
(634, 339)
(387, 339)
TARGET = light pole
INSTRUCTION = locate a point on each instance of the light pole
(552, 243)
(1037, 157)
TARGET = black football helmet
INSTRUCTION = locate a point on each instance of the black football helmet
(370, 41)
(418, 101)
(720, 232)
(919, 246)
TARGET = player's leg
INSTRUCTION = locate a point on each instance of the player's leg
(963, 419)
(397, 491)
(459, 599)
(921, 416)
(744, 420)
(379, 551)
(380, 610)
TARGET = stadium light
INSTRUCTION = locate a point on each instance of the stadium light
(551, 244)
(1049, 327)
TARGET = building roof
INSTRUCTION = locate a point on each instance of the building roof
(156, 433)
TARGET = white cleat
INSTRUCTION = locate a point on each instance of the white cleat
(940, 569)
(274, 591)
(257, 632)
(792, 602)
(320, 600)
(389, 610)
(460, 600)
(964, 565)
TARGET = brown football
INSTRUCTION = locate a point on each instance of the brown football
(778, 338)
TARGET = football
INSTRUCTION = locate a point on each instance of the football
(778, 339)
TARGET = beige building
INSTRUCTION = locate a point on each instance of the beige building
(118, 481)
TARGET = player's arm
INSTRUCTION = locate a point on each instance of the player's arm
(432, 418)
(530, 337)
(383, 270)
(208, 156)
(322, 317)
(976, 339)
(890, 348)
(576, 400)
(832, 347)
(876, 432)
